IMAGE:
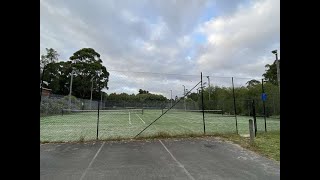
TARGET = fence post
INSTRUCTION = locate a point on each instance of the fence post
(264, 108)
(234, 105)
(251, 130)
(204, 124)
(254, 117)
(98, 114)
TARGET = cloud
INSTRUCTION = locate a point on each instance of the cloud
(172, 36)
(241, 42)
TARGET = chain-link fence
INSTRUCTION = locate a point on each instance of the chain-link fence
(140, 104)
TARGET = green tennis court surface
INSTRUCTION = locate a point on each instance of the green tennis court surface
(83, 126)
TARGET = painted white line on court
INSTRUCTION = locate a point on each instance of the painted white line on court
(189, 175)
(141, 119)
(84, 173)
(129, 118)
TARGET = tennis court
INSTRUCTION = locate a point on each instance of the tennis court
(82, 125)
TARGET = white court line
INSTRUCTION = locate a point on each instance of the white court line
(84, 173)
(129, 118)
(141, 119)
(189, 175)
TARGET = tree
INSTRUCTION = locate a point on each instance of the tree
(51, 57)
(87, 65)
(271, 73)
(53, 77)
(252, 83)
(143, 91)
(193, 96)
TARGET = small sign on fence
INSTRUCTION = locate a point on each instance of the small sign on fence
(264, 96)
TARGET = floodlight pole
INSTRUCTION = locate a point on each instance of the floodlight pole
(99, 73)
(278, 70)
(278, 67)
(204, 124)
(234, 105)
(70, 91)
(91, 92)
(209, 86)
(184, 98)
(44, 67)
(171, 98)
(101, 100)
(187, 96)
(98, 116)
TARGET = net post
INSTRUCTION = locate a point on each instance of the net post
(204, 124)
(234, 105)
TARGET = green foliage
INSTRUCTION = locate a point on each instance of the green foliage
(136, 98)
(86, 55)
(194, 96)
(143, 91)
(271, 73)
(221, 98)
(86, 65)
(51, 57)
(252, 83)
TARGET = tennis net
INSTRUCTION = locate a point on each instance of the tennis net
(103, 112)
(171, 111)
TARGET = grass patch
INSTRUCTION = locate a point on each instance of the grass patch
(165, 135)
(162, 135)
(266, 144)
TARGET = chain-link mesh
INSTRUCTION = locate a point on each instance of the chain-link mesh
(57, 124)
(247, 90)
(150, 104)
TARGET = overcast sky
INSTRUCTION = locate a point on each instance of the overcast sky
(221, 38)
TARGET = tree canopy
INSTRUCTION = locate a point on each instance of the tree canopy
(51, 57)
(271, 73)
(143, 91)
(87, 69)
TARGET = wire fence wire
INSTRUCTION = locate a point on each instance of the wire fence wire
(141, 104)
